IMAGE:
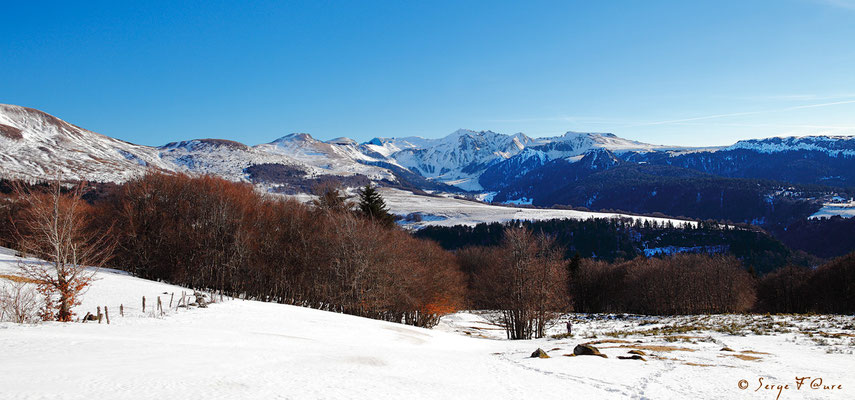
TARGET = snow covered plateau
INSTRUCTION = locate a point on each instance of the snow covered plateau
(239, 349)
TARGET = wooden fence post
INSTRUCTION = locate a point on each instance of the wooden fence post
(99, 314)
(159, 306)
(170, 299)
(107, 315)
(143, 304)
(122, 310)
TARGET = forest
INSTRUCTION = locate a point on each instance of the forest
(625, 239)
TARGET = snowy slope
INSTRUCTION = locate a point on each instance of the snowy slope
(224, 158)
(444, 211)
(34, 144)
(845, 209)
(834, 146)
(250, 350)
(340, 156)
(457, 159)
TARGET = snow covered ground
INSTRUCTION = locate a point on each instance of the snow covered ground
(845, 209)
(444, 211)
(239, 349)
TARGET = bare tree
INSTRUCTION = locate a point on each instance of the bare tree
(331, 197)
(19, 302)
(56, 227)
(527, 285)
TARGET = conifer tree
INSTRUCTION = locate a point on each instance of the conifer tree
(372, 205)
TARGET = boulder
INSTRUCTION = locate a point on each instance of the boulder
(726, 349)
(539, 353)
(587, 350)
(632, 357)
(638, 352)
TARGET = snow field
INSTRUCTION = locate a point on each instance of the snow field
(444, 211)
(240, 349)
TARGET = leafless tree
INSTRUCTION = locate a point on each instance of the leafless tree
(527, 285)
(19, 302)
(56, 227)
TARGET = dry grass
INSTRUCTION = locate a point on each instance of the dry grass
(18, 278)
(601, 341)
(651, 347)
(698, 365)
(685, 337)
(741, 357)
(834, 335)
(754, 352)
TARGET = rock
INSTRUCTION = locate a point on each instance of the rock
(632, 357)
(90, 317)
(586, 350)
(539, 353)
(726, 349)
(638, 352)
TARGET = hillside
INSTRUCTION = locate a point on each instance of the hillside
(248, 349)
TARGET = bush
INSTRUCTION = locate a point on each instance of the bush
(19, 302)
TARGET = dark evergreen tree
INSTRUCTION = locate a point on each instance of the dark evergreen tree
(372, 205)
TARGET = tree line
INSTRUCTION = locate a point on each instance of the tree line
(613, 239)
(208, 233)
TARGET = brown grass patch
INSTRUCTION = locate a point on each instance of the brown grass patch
(11, 132)
(607, 341)
(741, 357)
(18, 278)
(684, 337)
(651, 347)
(834, 335)
(698, 365)
(754, 352)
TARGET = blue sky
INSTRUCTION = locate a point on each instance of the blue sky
(681, 72)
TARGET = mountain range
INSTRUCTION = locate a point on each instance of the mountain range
(762, 181)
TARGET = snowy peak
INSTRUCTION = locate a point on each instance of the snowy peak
(34, 144)
(23, 123)
(599, 159)
(459, 158)
(205, 145)
(583, 141)
(295, 138)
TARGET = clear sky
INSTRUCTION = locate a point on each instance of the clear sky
(677, 72)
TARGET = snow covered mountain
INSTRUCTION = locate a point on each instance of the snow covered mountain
(34, 144)
(337, 156)
(457, 159)
(834, 146)
(570, 147)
